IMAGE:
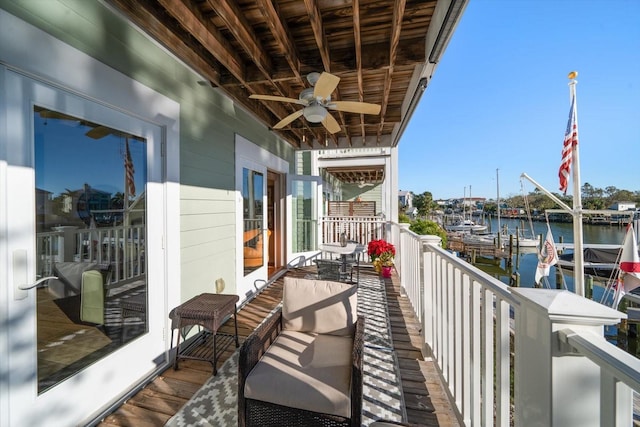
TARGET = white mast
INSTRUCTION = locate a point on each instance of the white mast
(464, 204)
(498, 197)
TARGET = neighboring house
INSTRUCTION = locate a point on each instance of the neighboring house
(148, 103)
(405, 199)
(412, 212)
(360, 174)
(623, 206)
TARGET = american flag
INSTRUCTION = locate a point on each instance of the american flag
(570, 141)
(129, 171)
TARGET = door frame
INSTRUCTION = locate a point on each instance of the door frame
(76, 74)
(317, 209)
(252, 156)
(278, 236)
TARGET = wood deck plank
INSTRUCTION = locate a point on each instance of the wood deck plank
(426, 401)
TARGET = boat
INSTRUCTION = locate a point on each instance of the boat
(480, 239)
(466, 225)
(523, 241)
(598, 262)
(463, 224)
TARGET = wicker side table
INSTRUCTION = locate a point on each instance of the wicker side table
(208, 311)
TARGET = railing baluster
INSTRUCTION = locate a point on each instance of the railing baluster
(459, 307)
(503, 363)
(475, 412)
(487, 327)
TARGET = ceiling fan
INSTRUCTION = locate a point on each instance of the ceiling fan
(362, 183)
(317, 100)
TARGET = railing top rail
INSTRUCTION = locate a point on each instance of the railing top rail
(352, 217)
(614, 360)
(496, 286)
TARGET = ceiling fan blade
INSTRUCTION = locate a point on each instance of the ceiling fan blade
(354, 107)
(291, 117)
(49, 114)
(331, 124)
(279, 99)
(99, 132)
(325, 85)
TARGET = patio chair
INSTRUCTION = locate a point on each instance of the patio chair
(329, 269)
(303, 365)
(80, 290)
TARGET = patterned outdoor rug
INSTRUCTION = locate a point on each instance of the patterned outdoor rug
(215, 404)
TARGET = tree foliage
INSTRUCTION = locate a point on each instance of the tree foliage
(424, 203)
(592, 198)
(425, 227)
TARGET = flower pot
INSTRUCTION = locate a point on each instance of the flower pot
(386, 271)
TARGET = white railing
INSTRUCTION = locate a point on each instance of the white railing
(362, 229)
(515, 356)
(121, 247)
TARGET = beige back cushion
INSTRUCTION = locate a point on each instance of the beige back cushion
(319, 306)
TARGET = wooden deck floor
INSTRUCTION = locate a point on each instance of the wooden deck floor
(425, 398)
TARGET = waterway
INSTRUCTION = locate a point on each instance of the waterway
(525, 261)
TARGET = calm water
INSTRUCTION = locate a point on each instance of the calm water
(525, 262)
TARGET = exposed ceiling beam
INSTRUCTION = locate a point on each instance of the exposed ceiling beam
(237, 24)
(396, 27)
(208, 35)
(282, 35)
(148, 22)
(358, 48)
(315, 17)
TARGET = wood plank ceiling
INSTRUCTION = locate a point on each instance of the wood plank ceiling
(383, 52)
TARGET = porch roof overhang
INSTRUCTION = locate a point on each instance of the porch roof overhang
(373, 174)
(384, 52)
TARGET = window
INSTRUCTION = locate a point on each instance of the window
(253, 215)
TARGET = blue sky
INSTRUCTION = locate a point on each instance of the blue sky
(499, 99)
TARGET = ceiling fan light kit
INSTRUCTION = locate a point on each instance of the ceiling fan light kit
(315, 113)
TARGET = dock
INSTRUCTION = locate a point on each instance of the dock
(471, 250)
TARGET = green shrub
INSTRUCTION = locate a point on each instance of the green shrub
(403, 218)
(425, 227)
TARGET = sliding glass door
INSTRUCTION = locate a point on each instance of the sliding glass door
(81, 183)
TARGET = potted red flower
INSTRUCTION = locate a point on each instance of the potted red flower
(381, 253)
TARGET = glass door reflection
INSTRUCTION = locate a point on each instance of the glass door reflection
(91, 227)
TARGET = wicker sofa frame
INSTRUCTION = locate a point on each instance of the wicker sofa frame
(257, 413)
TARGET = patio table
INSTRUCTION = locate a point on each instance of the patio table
(209, 311)
(352, 248)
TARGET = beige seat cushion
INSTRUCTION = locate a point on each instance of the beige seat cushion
(305, 371)
(319, 306)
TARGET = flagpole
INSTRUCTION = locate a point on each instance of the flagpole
(576, 212)
(498, 197)
(125, 206)
(578, 255)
